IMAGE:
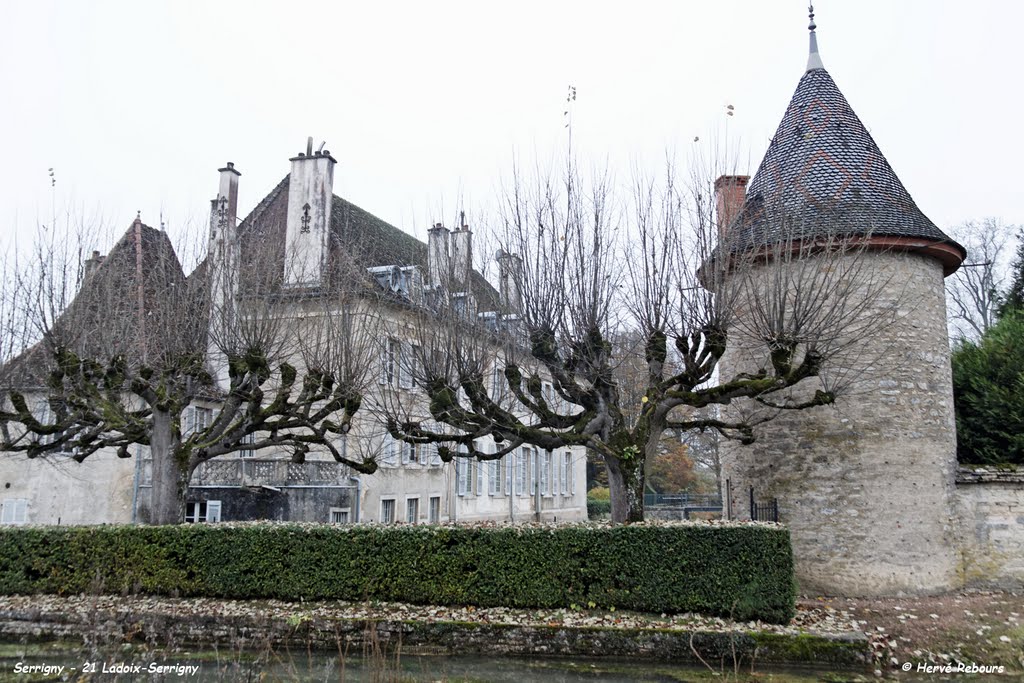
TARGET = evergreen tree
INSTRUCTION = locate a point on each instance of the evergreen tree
(988, 390)
(1013, 300)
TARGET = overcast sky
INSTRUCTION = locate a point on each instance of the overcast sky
(136, 104)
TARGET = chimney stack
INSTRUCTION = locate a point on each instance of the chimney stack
(223, 259)
(310, 196)
(438, 262)
(92, 264)
(461, 256)
(225, 207)
(730, 192)
(510, 271)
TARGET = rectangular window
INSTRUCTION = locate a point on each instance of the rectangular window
(556, 471)
(409, 455)
(435, 509)
(407, 367)
(494, 477)
(462, 473)
(204, 418)
(387, 511)
(498, 383)
(533, 471)
(390, 362)
(247, 452)
(339, 516)
(14, 511)
(423, 452)
(388, 456)
(200, 511)
(412, 510)
(510, 466)
(524, 454)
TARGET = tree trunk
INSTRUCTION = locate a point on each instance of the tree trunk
(170, 476)
(626, 485)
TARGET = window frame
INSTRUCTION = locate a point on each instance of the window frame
(394, 509)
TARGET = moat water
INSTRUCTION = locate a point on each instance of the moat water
(67, 661)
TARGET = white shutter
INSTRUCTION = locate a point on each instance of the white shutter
(555, 473)
(406, 359)
(479, 477)
(213, 511)
(510, 466)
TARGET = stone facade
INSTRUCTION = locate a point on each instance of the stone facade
(866, 486)
(990, 504)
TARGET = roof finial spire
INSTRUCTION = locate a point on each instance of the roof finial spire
(814, 59)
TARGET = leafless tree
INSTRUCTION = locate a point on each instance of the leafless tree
(628, 304)
(123, 351)
(973, 292)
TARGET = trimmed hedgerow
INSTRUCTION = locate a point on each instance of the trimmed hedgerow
(744, 571)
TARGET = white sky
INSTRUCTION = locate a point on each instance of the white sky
(136, 104)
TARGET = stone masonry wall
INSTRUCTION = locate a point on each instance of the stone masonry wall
(990, 504)
(866, 486)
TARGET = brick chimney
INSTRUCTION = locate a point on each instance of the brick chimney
(438, 263)
(310, 195)
(730, 191)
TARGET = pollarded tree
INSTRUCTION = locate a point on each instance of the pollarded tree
(121, 353)
(618, 312)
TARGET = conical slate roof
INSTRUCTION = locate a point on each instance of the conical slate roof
(824, 172)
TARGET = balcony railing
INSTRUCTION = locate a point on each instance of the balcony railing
(239, 472)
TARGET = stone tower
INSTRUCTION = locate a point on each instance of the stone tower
(866, 486)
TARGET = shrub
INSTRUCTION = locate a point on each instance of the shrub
(745, 571)
(598, 508)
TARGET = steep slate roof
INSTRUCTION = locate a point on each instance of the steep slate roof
(358, 238)
(823, 170)
(135, 303)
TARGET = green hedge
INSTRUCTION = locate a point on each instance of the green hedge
(743, 571)
(598, 508)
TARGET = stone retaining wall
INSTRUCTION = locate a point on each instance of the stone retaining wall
(233, 633)
(990, 506)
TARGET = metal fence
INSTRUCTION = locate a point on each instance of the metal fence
(763, 512)
(682, 500)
